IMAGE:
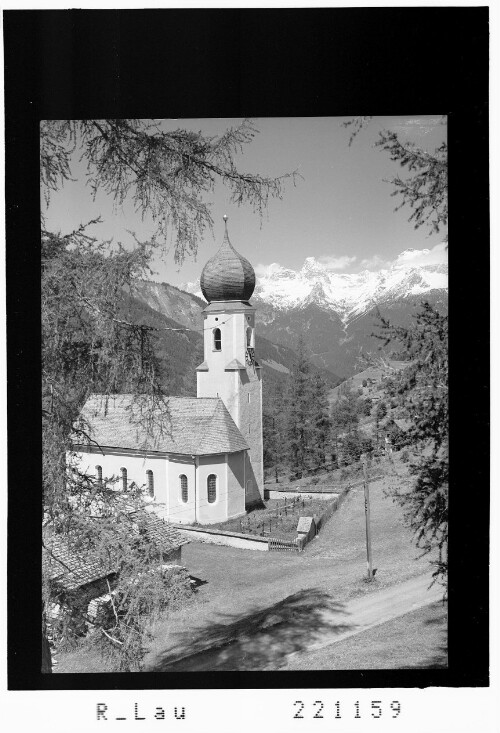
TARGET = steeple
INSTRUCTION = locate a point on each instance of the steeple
(227, 275)
(229, 369)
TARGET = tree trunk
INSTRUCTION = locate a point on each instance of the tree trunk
(46, 655)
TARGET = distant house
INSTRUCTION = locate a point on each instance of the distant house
(403, 424)
(395, 430)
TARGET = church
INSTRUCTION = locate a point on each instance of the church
(199, 460)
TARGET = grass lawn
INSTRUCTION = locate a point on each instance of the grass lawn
(278, 518)
(417, 639)
(242, 587)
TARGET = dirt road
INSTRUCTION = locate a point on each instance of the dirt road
(255, 609)
(377, 608)
(271, 639)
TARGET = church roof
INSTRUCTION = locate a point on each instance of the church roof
(229, 306)
(227, 275)
(234, 365)
(186, 425)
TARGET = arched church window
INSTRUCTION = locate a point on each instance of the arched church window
(151, 483)
(123, 472)
(98, 475)
(249, 337)
(184, 488)
(217, 339)
(212, 488)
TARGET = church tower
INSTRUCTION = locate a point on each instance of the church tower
(229, 369)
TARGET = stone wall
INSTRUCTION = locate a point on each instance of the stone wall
(230, 539)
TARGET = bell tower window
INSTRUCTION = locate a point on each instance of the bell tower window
(151, 483)
(212, 488)
(184, 488)
(217, 339)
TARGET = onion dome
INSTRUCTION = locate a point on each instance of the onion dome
(227, 275)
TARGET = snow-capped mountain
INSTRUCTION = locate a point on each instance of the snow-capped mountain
(337, 313)
(348, 295)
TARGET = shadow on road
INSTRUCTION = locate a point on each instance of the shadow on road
(260, 638)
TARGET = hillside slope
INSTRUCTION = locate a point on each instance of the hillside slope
(180, 352)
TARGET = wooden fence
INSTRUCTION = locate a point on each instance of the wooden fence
(274, 517)
(283, 545)
(308, 489)
(305, 489)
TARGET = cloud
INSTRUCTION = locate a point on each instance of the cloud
(336, 263)
(374, 263)
(426, 121)
(436, 256)
(266, 270)
(416, 127)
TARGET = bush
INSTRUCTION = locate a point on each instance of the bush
(405, 456)
(366, 407)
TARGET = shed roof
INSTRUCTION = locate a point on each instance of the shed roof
(71, 567)
(186, 425)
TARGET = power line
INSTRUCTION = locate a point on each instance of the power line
(143, 327)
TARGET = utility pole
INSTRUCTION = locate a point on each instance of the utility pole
(364, 460)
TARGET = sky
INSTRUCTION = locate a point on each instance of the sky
(340, 211)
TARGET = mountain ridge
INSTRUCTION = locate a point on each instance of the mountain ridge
(348, 294)
(336, 313)
(167, 308)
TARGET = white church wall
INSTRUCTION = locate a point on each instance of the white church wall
(136, 464)
(236, 484)
(167, 470)
(233, 343)
(209, 513)
(178, 510)
(240, 390)
(219, 383)
(216, 382)
(250, 421)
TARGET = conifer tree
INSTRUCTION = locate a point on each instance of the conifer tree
(380, 412)
(423, 398)
(88, 344)
(345, 413)
(321, 421)
(276, 409)
(423, 386)
(299, 426)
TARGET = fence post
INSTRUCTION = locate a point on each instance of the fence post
(367, 518)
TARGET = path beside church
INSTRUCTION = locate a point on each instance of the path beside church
(279, 604)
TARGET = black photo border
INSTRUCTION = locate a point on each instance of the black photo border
(254, 63)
